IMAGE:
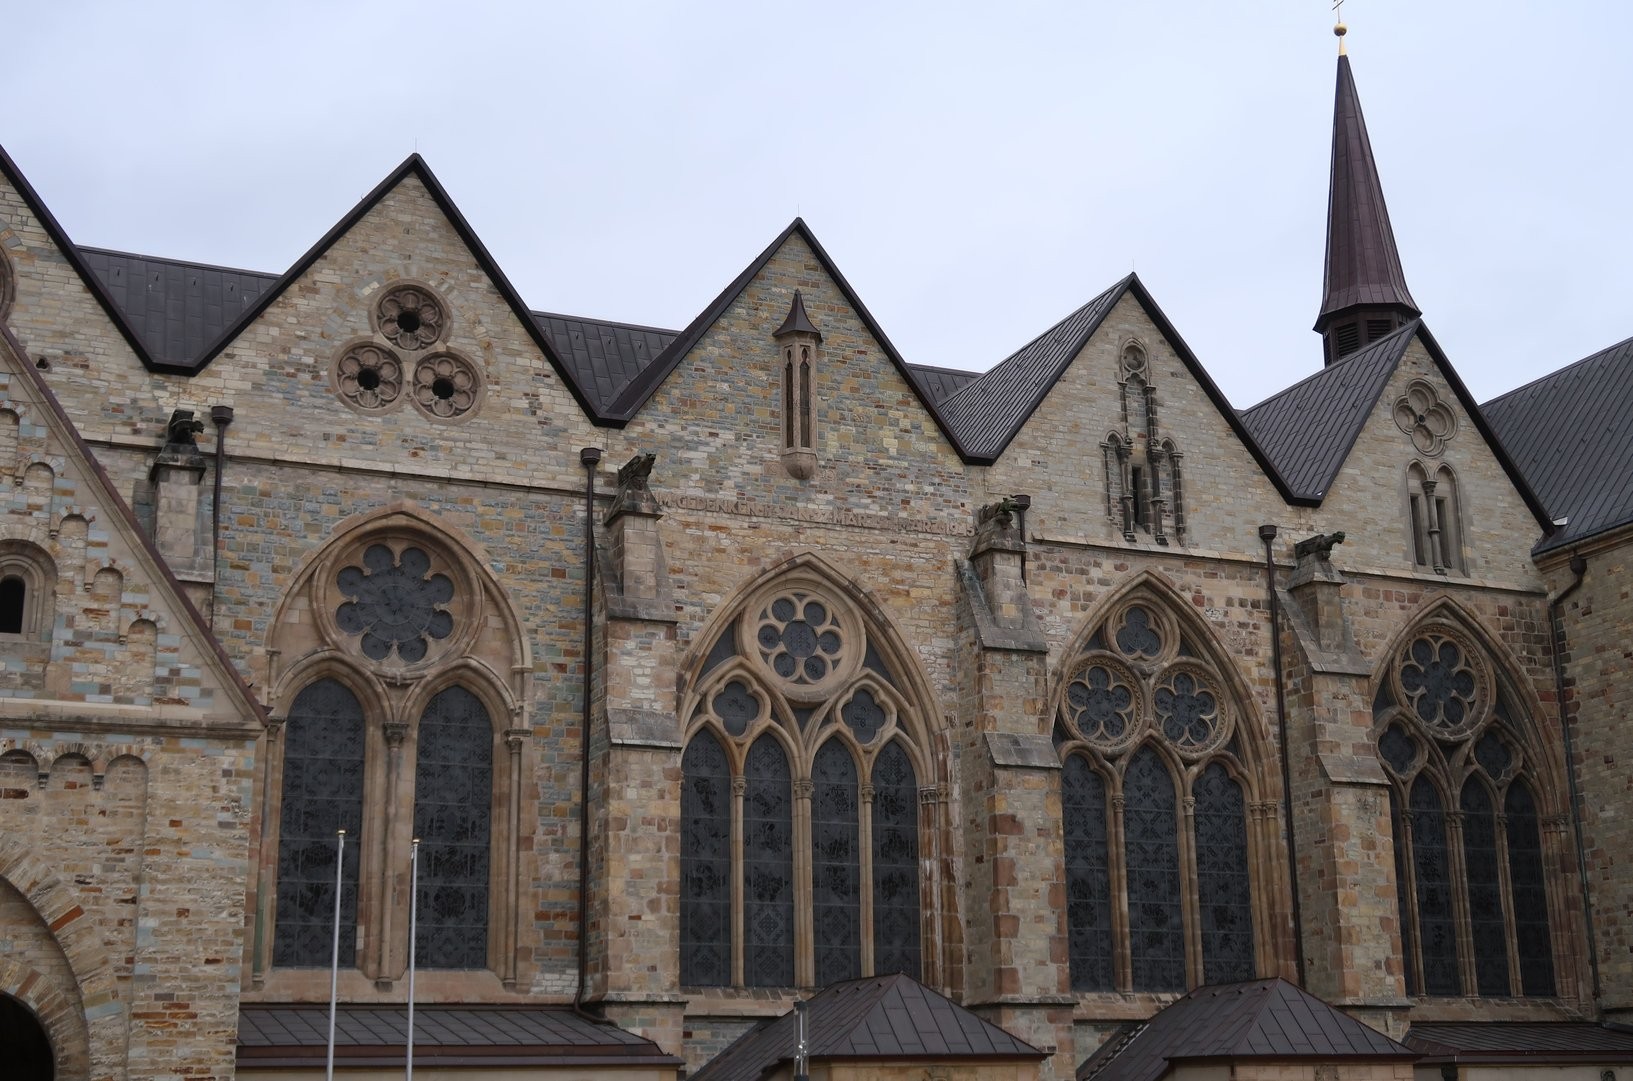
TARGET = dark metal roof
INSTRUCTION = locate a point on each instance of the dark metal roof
(990, 410)
(941, 383)
(1363, 267)
(874, 1018)
(1309, 429)
(1264, 1019)
(515, 1035)
(1569, 434)
(176, 308)
(1522, 1041)
(603, 356)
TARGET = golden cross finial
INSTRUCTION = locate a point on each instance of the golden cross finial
(1340, 29)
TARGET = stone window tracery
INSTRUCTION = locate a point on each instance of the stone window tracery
(828, 795)
(1434, 518)
(1474, 910)
(407, 360)
(1153, 796)
(1142, 467)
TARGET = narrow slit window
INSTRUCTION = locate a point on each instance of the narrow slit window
(1137, 487)
(788, 406)
(1420, 533)
(13, 603)
(805, 398)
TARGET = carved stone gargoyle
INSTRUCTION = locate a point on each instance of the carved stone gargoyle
(1001, 514)
(633, 496)
(1320, 546)
(180, 450)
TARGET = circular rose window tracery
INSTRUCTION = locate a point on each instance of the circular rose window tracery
(369, 377)
(411, 317)
(1102, 704)
(446, 386)
(394, 603)
(1188, 711)
(1442, 683)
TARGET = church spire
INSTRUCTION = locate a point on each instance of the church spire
(1365, 295)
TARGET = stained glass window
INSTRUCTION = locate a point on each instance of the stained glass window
(768, 867)
(322, 793)
(836, 871)
(895, 864)
(1408, 952)
(1151, 843)
(1437, 930)
(1530, 895)
(1488, 930)
(705, 864)
(1088, 885)
(395, 603)
(1224, 896)
(453, 791)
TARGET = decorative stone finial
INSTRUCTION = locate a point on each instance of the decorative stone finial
(797, 322)
(1340, 29)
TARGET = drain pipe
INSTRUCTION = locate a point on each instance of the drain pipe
(590, 457)
(1556, 626)
(1267, 533)
(221, 416)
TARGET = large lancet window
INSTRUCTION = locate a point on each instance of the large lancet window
(1155, 801)
(390, 733)
(1472, 895)
(803, 747)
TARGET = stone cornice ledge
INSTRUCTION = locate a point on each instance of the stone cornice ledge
(98, 717)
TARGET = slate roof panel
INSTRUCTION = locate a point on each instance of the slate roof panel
(1309, 429)
(1568, 433)
(604, 356)
(1268, 1019)
(176, 308)
(988, 411)
(941, 383)
(1530, 1039)
(876, 1017)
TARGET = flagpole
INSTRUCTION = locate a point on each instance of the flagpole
(334, 959)
(413, 926)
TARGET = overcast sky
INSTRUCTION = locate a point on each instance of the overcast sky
(976, 170)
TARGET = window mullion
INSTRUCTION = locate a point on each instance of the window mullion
(1117, 873)
(1505, 883)
(864, 840)
(804, 944)
(1190, 893)
(380, 901)
(739, 785)
(1458, 878)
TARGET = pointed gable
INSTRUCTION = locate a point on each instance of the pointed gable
(639, 391)
(94, 655)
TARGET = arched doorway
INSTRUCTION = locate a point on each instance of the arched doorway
(23, 1043)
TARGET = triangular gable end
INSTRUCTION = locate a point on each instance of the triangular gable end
(28, 388)
(640, 390)
(413, 165)
(75, 259)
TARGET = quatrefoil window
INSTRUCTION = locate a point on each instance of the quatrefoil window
(394, 603)
(1422, 415)
(799, 638)
(1440, 684)
(1100, 705)
(1188, 711)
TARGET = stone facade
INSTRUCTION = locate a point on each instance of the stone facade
(144, 817)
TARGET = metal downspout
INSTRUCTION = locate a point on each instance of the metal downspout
(590, 457)
(1556, 628)
(1267, 533)
(221, 415)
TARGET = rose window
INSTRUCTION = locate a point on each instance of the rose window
(799, 638)
(1188, 711)
(394, 603)
(1100, 705)
(445, 385)
(410, 317)
(1137, 637)
(1439, 682)
(370, 377)
(1421, 414)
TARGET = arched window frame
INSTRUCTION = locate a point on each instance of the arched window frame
(36, 571)
(1143, 658)
(485, 654)
(1488, 744)
(1434, 519)
(807, 722)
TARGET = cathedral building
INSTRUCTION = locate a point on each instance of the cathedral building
(1062, 720)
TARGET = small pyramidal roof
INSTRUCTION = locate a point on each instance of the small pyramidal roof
(878, 1017)
(1258, 1019)
(1363, 268)
(797, 321)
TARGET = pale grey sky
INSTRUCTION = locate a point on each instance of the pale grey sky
(976, 170)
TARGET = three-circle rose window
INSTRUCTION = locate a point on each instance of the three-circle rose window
(1134, 676)
(371, 374)
(394, 603)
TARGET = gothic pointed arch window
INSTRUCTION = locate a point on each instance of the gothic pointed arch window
(800, 714)
(394, 729)
(1435, 518)
(1469, 847)
(1155, 800)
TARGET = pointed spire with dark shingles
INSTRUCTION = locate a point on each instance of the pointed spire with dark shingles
(797, 322)
(1363, 268)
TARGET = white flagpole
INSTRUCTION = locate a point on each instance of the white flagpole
(413, 927)
(334, 962)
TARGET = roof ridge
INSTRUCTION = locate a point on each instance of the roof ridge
(177, 262)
